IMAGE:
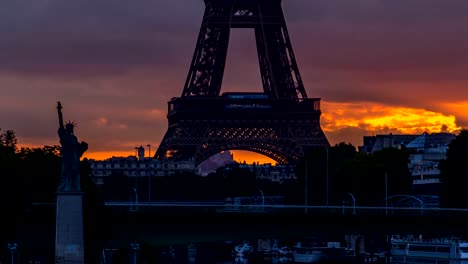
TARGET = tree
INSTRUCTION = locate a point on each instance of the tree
(39, 173)
(364, 179)
(395, 165)
(369, 177)
(454, 172)
(8, 139)
(118, 187)
(323, 170)
(239, 182)
(311, 172)
(8, 143)
(338, 175)
(10, 198)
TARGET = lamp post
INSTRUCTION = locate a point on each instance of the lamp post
(136, 198)
(386, 195)
(263, 199)
(305, 199)
(135, 248)
(149, 174)
(326, 151)
(354, 204)
(12, 248)
(137, 171)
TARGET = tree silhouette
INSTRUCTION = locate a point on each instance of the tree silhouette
(454, 172)
(28, 181)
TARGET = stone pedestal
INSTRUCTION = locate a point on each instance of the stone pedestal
(69, 244)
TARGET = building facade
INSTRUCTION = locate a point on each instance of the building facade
(138, 167)
(426, 150)
(267, 171)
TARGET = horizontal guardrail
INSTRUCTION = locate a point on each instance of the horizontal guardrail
(272, 208)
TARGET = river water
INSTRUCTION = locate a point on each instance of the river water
(348, 250)
(224, 252)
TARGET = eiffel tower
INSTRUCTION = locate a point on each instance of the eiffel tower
(281, 123)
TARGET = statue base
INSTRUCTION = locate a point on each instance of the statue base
(69, 242)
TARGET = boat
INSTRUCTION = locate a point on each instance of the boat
(281, 251)
(314, 252)
(277, 254)
(305, 254)
(243, 250)
(191, 252)
(418, 250)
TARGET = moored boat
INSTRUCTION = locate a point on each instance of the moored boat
(243, 250)
(415, 249)
(307, 252)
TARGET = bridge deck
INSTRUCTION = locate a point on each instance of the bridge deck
(116, 224)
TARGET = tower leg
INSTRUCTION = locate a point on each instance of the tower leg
(69, 242)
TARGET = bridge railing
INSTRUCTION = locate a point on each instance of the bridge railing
(221, 207)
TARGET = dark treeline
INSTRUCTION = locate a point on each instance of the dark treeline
(225, 183)
(29, 179)
(454, 173)
(30, 175)
(363, 175)
(337, 174)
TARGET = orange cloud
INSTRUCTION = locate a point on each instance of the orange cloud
(102, 121)
(349, 122)
(460, 109)
(341, 122)
(157, 113)
(371, 118)
(102, 155)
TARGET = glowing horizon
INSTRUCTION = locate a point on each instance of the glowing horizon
(339, 121)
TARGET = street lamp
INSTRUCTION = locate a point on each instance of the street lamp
(136, 198)
(136, 201)
(12, 248)
(137, 174)
(386, 195)
(354, 203)
(305, 199)
(135, 248)
(263, 199)
(149, 174)
(326, 150)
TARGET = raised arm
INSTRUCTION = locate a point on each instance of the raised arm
(59, 110)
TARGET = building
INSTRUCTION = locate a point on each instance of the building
(214, 162)
(274, 173)
(426, 150)
(140, 166)
(379, 142)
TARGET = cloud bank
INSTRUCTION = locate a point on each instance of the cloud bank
(115, 64)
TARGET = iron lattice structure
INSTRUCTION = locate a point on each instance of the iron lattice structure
(281, 123)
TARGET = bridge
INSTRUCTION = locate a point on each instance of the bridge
(154, 224)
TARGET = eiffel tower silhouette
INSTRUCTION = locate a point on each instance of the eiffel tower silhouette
(281, 123)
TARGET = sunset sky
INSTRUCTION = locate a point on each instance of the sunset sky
(379, 66)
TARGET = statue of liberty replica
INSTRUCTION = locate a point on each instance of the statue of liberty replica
(69, 240)
(71, 153)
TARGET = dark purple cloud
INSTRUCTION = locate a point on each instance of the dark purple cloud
(122, 61)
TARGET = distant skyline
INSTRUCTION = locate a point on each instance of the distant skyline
(379, 66)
